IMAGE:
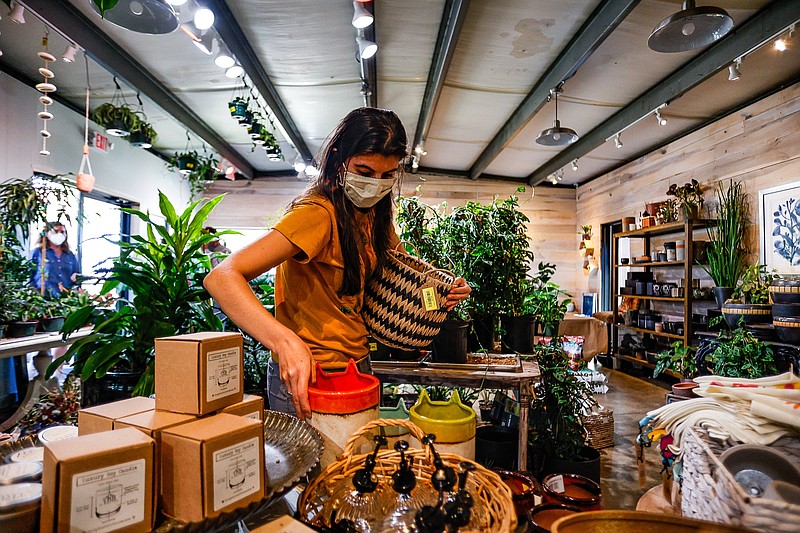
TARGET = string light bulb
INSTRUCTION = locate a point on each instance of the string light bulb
(661, 120)
(733, 70)
(617, 141)
(575, 165)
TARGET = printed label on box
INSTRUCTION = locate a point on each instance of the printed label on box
(109, 498)
(235, 472)
(223, 373)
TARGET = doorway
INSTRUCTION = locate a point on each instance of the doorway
(606, 259)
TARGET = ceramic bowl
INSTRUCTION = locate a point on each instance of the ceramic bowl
(785, 291)
(788, 329)
(751, 313)
(785, 310)
(754, 467)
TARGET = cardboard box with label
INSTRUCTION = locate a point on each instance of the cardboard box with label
(102, 417)
(212, 465)
(99, 482)
(199, 373)
(251, 406)
(152, 423)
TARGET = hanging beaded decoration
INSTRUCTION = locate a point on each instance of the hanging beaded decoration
(45, 88)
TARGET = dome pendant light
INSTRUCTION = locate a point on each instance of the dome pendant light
(142, 16)
(690, 28)
(557, 136)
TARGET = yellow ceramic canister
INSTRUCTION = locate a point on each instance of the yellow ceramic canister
(452, 422)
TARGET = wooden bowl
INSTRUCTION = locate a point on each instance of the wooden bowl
(638, 522)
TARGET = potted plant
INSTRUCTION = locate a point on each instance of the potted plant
(689, 197)
(54, 407)
(163, 270)
(750, 299)
(184, 162)
(739, 354)
(197, 169)
(557, 438)
(143, 135)
(238, 107)
(667, 211)
(681, 360)
(547, 301)
(25, 309)
(119, 121)
(726, 251)
(586, 232)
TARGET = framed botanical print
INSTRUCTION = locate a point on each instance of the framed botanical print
(779, 226)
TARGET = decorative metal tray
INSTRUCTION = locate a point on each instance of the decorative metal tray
(493, 363)
(291, 450)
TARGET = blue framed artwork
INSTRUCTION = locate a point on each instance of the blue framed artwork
(779, 227)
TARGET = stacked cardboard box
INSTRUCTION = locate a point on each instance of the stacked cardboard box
(195, 451)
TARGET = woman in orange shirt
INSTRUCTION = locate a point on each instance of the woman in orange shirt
(332, 238)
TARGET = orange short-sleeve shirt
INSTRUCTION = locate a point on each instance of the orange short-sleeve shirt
(306, 286)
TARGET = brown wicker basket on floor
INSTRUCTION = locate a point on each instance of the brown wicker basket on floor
(487, 487)
(711, 493)
(600, 428)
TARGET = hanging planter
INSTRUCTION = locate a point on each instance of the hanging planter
(118, 121)
(247, 120)
(143, 137)
(186, 163)
(255, 130)
(238, 108)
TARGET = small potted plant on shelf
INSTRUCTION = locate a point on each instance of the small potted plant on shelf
(682, 361)
(667, 211)
(750, 300)
(689, 197)
(586, 232)
(25, 310)
(726, 252)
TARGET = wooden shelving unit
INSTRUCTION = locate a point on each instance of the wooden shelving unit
(680, 230)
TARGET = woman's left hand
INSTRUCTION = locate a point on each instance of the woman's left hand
(457, 294)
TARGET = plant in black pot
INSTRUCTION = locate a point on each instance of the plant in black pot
(726, 252)
(739, 354)
(238, 107)
(750, 300)
(198, 169)
(119, 121)
(557, 438)
(143, 135)
(163, 271)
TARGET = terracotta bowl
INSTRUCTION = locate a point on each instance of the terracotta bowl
(685, 389)
(638, 522)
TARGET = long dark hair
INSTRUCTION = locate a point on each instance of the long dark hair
(50, 226)
(365, 130)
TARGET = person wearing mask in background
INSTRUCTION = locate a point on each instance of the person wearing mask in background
(216, 249)
(61, 267)
(333, 237)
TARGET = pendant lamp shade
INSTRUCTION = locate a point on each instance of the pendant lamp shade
(142, 16)
(690, 28)
(557, 135)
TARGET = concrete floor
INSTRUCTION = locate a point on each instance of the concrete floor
(630, 398)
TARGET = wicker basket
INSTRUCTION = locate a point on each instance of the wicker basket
(711, 493)
(488, 489)
(600, 428)
(393, 304)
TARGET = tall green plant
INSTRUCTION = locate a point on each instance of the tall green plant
(727, 239)
(164, 271)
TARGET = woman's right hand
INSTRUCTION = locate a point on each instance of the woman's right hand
(295, 361)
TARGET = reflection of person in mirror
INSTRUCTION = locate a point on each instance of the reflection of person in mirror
(61, 267)
(333, 238)
(215, 249)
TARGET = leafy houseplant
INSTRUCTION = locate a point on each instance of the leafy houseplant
(164, 271)
(238, 107)
(555, 429)
(689, 197)
(198, 169)
(727, 240)
(739, 354)
(58, 407)
(667, 211)
(118, 121)
(586, 232)
(679, 359)
(750, 299)
(143, 135)
(542, 300)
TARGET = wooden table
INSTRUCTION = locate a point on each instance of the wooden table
(522, 382)
(41, 343)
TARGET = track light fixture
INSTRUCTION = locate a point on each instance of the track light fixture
(617, 141)
(366, 48)
(661, 120)
(299, 164)
(362, 18)
(234, 71)
(206, 43)
(733, 70)
(69, 54)
(556, 136)
(224, 57)
(203, 18)
(155, 17)
(17, 12)
(780, 43)
(575, 165)
(690, 28)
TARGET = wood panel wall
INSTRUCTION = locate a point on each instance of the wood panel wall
(759, 146)
(551, 210)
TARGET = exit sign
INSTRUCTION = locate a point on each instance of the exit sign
(100, 142)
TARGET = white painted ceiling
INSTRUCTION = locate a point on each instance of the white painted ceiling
(307, 49)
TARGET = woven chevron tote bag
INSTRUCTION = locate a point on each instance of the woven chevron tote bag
(399, 309)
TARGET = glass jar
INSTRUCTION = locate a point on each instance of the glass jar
(22, 472)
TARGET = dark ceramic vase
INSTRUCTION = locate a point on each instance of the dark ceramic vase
(481, 334)
(450, 344)
(721, 295)
(518, 333)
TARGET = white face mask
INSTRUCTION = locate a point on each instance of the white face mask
(56, 238)
(364, 191)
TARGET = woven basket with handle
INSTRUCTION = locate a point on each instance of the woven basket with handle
(489, 491)
(394, 312)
